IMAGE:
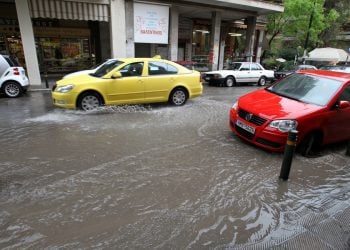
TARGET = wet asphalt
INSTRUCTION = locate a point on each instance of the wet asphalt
(160, 177)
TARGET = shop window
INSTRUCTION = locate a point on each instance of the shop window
(16, 49)
(62, 55)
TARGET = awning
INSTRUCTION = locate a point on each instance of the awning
(74, 10)
(328, 55)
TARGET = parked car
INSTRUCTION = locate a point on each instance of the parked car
(291, 69)
(339, 68)
(88, 71)
(129, 81)
(238, 73)
(13, 80)
(316, 103)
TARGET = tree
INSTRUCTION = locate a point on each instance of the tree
(294, 26)
(330, 36)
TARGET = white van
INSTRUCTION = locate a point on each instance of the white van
(13, 80)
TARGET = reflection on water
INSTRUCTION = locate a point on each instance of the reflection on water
(159, 177)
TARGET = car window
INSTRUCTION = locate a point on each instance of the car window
(11, 61)
(132, 69)
(106, 68)
(245, 67)
(255, 67)
(303, 67)
(234, 66)
(161, 68)
(345, 95)
(307, 88)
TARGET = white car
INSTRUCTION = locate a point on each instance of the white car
(240, 72)
(339, 68)
(13, 80)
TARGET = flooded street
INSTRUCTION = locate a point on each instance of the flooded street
(160, 177)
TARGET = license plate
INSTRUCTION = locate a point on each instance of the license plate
(246, 127)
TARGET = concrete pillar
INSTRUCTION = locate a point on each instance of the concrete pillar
(188, 50)
(215, 40)
(260, 45)
(130, 42)
(224, 32)
(28, 42)
(118, 28)
(250, 36)
(174, 34)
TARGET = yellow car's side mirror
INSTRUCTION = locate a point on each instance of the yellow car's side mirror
(116, 75)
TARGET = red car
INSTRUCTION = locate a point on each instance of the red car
(314, 102)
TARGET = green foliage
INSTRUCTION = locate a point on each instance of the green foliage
(326, 19)
(286, 53)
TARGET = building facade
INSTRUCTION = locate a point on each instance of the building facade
(54, 37)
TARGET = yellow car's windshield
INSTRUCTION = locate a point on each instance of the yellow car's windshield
(107, 67)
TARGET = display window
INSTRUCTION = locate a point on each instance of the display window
(235, 45)
(201, 45)
(62, 55)
(60, 49)
(3, 48)
(15, 49)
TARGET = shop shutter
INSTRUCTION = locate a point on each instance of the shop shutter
(74, 10)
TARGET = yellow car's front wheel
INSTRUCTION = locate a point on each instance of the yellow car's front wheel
(89, 101)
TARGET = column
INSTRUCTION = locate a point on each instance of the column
(118, 28)
(174, 34)
(28, 42)
(130, 42)
(224, 32)
(188, 49)
(260, 45)
(250, 36)
(215, 40)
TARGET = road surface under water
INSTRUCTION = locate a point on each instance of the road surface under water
(160, 177)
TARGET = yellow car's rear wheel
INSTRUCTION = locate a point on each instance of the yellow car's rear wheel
(178, 97)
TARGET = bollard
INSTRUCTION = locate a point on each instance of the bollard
(348, 149)
(288, 154)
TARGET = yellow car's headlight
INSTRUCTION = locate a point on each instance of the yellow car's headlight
(65, 88)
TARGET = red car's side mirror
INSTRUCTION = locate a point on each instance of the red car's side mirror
(344, 104)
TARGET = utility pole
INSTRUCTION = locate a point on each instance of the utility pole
(308, 32)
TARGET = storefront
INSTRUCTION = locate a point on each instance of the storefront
(59, 49)
(59, 33)
(62, 46)
(62, 50)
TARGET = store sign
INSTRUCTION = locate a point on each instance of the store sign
(151, 23)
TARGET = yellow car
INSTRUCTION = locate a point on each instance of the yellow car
(128, 81)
